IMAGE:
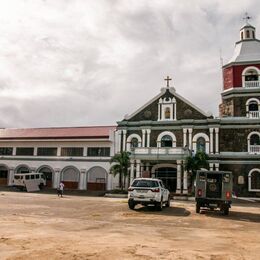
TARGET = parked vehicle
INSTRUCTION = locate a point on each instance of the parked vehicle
(148, 191)
(20, 179)
(214, 190)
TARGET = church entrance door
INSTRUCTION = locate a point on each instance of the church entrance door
(169, 177)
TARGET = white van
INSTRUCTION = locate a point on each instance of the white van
(21, 178)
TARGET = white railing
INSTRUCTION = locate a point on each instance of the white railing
(254, 114)
(254, 149)
(252, 84)
(159, 150)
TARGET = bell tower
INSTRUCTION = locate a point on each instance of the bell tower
(241, 77)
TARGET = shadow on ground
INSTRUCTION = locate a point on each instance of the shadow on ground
(171, 211)
(234, 215)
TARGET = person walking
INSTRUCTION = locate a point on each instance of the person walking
(60, 189)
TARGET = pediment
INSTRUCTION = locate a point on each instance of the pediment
(167, 99)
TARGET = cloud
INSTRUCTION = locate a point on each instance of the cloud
(82, 62)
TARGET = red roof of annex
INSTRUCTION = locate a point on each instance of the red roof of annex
(90, 132)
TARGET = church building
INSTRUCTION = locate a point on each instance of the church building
(159, 135)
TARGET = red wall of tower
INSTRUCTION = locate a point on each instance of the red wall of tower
(232, 76)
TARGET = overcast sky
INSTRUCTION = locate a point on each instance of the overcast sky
(86, 62)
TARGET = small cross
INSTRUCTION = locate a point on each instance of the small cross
(247, 17)
(168, 79)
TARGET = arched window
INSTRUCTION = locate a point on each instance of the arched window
(134, 143)
(254, 180)
(247, 34)
(254, 143)
(253, 33)
(242, 35)
(166, 141)
(22, 169)
(251, 77)
(201, 144)
(253, 108)
(254, 139)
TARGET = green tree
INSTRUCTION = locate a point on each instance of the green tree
(196, 162)
(120, 164)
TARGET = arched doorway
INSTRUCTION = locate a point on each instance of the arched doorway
(3, 175)
(168, 174)
(97, 179)
(48, 173)
(22, 169)
(70, 177)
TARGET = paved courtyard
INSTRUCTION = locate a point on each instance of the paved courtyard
(43, 226)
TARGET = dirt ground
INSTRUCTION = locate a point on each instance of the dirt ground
(43, 226)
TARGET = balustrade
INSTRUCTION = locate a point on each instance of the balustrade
(252, 84)
(254, 149)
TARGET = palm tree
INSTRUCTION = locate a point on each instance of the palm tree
(120, 164)
(196, 162)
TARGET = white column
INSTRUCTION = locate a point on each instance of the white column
(132, 165)
(175, 112)
(59, 151)
(14, 151)
(217, 140)
(143, 137)
(85, 151)
(35, 151)
(217, 166)
(138, 168)
(211, 165)
(171, 112)
(124, 140)
(119, 137)
(82, 178)
(56, 178)
(148, 131)
(211, 140)
(184, 137)
(159, 111)
(178, 191)
(10, 176)
(190, 138)
(185, 182)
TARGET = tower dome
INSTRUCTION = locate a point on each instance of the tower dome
(247, 49)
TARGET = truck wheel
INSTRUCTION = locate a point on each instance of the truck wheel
(160, 205)
(131, 204)
(197, 208)
(168, 203)
(226, 211)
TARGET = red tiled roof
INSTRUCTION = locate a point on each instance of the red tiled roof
(91, 132)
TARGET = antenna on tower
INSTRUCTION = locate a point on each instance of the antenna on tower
(220, 57)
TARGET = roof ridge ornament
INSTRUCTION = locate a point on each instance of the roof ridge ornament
(168, 79)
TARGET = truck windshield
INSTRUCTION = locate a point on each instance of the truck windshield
(145, 183)
(226, 177)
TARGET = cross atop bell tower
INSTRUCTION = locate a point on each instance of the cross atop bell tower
(247, 17)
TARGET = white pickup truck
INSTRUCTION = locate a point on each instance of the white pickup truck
(148, 191)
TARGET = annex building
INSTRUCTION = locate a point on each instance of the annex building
(159, 135)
